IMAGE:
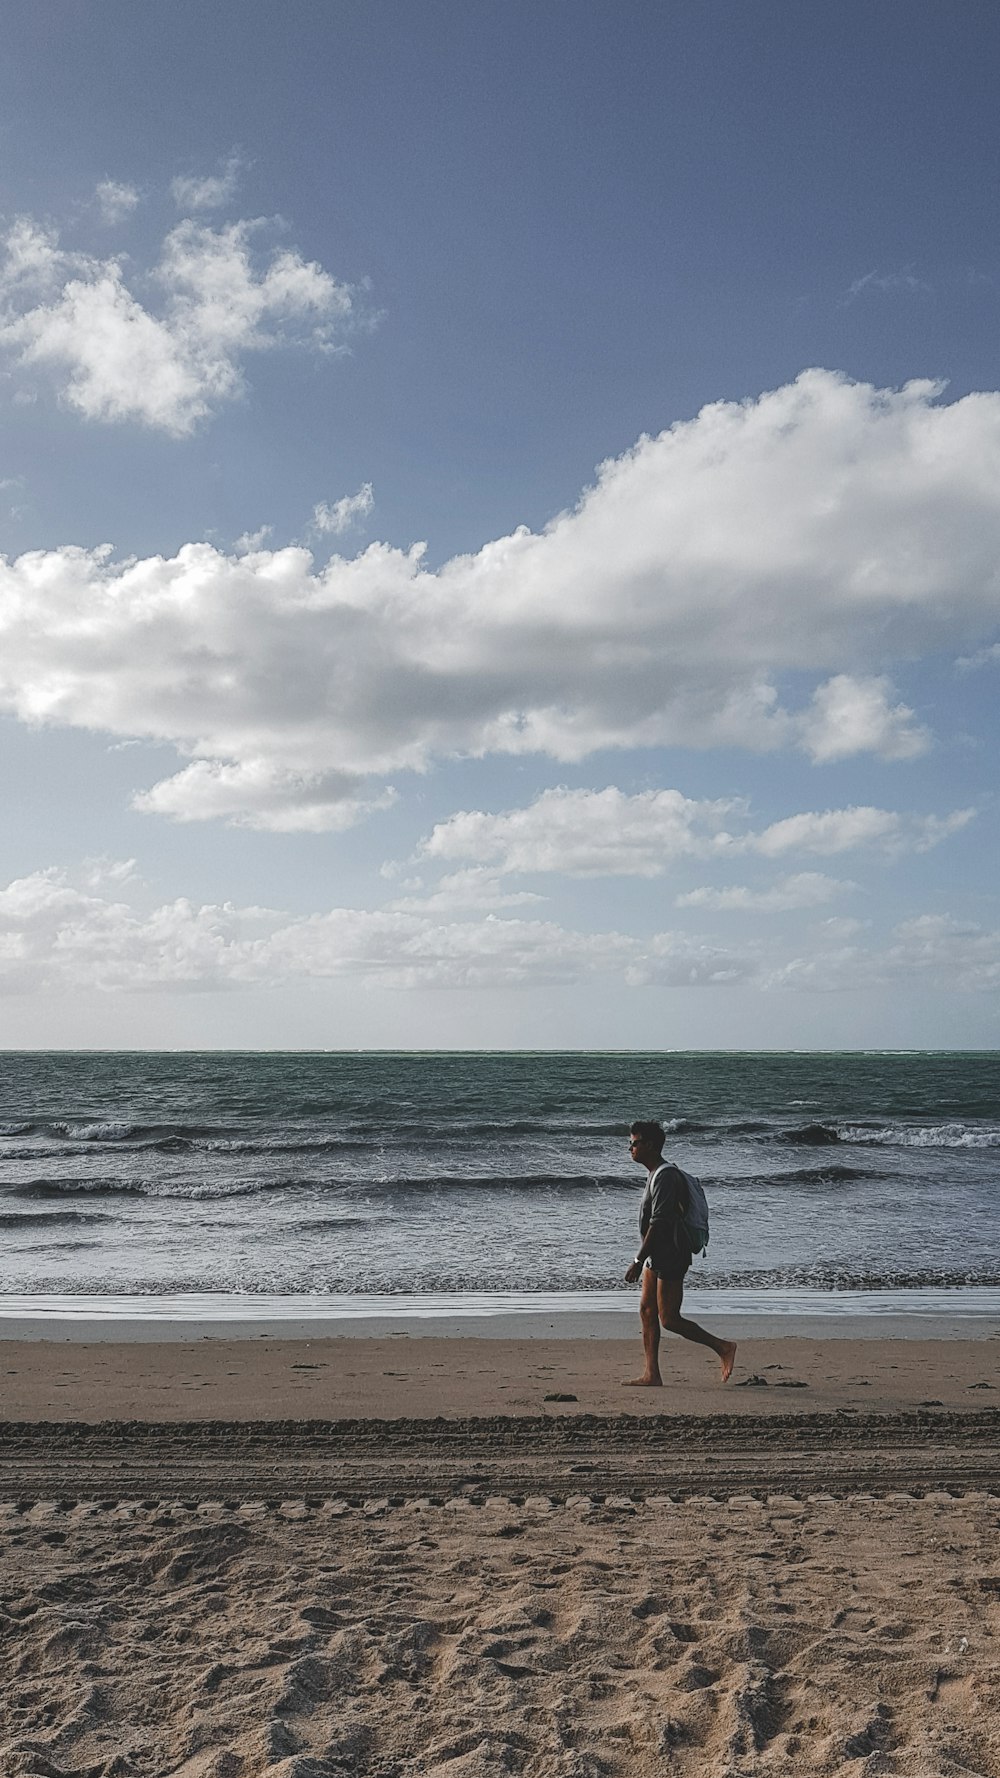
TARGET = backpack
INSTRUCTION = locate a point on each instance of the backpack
(694, 1220)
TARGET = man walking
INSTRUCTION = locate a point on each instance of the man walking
(663, 1258)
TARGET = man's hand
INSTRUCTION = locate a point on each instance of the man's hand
(634, 1272)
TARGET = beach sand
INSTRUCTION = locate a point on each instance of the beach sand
(401, 1376)
(395, 1558)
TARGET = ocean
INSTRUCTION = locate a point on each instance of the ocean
(388, 1174)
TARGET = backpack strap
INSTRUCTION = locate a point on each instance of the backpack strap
(664, 1167)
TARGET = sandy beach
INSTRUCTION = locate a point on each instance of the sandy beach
(406, 1376)
(407, 1557)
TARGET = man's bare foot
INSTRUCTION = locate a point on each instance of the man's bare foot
(645, 1382)
(728, 1358)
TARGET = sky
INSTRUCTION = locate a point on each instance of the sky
(500, 513)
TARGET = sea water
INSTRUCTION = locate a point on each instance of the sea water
(419, 1175)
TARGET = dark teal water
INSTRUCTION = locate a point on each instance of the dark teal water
(289, 1174)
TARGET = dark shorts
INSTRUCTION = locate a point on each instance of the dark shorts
(670, 1266)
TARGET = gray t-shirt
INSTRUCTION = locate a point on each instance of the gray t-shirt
(663, 1200)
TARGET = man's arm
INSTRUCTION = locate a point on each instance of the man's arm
(635, 1269)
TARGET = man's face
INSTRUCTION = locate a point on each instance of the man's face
(643, 1151)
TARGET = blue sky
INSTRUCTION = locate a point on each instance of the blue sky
(345, 699)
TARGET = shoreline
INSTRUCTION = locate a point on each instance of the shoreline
(959, 1313)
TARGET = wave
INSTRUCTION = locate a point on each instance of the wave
(852, 1277)
(952, 1135)
(324, 1225)
(546, 1282)
(48, 1247)
(117, 1131)
(110, 1131)
(371, 1133)
(72, 1186)
(397, 1188)
(809, 1135)
(28, 1219)
(76, 1152)
(503, 1182)
(187, 1190)
(246, 1145)
(390, 1187)
(823, 1173)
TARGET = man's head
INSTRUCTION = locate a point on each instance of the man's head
(646, 1140)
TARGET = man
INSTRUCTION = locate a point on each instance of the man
(663, 1258)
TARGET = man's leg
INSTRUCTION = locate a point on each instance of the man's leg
(670, 1296)
(650, 1321)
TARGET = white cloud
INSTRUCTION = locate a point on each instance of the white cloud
(345, 512)
(983, 657)
(210, 192)
(932, 950)
(255, 793)
(961, 953)
(596, 833)
(73, 935)
(852, 715)
(807, 889)
(464, 889)
(115, 359)
(97, 872)
(840, 927)
(826, 532)
(251, 541)
(885, 284)
(56, 934)
(677, 960)
(832, 970)
(115, 201)
(585, 833)
(846, 830)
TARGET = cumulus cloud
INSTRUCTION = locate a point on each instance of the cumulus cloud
(93, 932)
(806, 889)
(115, 201)
(845, 830)
(824, 533)
(345, 512)
(209, 192)
(56, 933)
(851, 715)
(167, 365)
(936, 945)
(250, 541)
(465, 889)
(932, 950)
(598, 833)
(676, 960)
(586, 833)
(98, 872)
(257, 794)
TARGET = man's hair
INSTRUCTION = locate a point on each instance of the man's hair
(649, 1131)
